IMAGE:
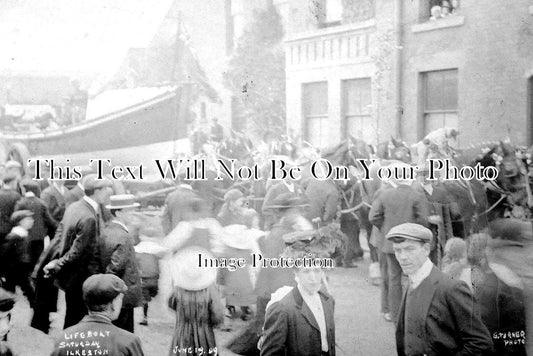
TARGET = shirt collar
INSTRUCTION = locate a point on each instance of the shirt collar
(305, 295)
(19, 230)
(91, 202)
(60, 188)
(121, 224)
(422, 273)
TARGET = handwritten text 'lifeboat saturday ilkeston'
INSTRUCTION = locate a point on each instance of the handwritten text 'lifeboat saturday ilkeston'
(275, 169)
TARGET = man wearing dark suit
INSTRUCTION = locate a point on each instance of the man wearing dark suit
(438, 315)
(302, 323)
(79, 254)
(323, 198)
(393, 207)
(54, 198)
(95, 334)
(44, 225)
(273, 192)
(8, 198)
(118, 256)
(176, 207)
(74, 194)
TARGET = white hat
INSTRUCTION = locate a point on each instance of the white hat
(122, 201)
(186, 272)
(240, 237)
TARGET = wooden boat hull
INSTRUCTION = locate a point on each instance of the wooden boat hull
(136, 135)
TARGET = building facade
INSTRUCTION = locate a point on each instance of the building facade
(380, 68)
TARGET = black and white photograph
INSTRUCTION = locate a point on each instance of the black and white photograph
(266, 177)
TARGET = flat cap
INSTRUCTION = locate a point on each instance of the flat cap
(18, 215)
(100, 289)
(92, 182)
(410, 231)
(7, 300)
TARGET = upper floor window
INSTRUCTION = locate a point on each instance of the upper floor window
(333, 11)
(438, 9)
(440, 97)
(337, 12)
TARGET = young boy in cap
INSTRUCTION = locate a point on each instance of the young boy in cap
(118, 255)
(14, 258)
(95, 334)
(437, 315)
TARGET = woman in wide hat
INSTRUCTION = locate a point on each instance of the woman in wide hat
(196, 303)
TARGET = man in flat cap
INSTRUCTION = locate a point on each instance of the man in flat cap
(438, 315)
(95, 334)
(79, 253)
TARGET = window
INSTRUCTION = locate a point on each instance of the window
(333, 10)
(437, 9)
(315, 112)
(357, 109)
(440, 99)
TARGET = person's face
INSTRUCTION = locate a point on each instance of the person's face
(238, 205)
(5, 323)
(27, 223)
(117, 306)
(100, 195)
(310, 279)
(411, 255)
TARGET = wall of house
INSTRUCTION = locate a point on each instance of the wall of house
(350, 50)
(491, 45)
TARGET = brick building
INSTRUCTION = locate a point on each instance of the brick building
(375, 68)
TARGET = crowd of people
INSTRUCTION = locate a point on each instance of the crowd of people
(98, 248)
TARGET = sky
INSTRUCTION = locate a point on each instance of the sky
(74, 36)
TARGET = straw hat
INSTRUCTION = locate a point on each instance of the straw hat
(186, 273)
(122, 201)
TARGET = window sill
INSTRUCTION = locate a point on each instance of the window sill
(447, 22)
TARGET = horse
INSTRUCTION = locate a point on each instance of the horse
(394, 150)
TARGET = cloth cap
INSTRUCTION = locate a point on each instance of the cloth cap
(122, 201)
(100, 289)
(18, 215)
(7, 300)
(410, 231)
(92, 182)
(232, 195)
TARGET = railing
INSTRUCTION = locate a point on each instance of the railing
(332, 45)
